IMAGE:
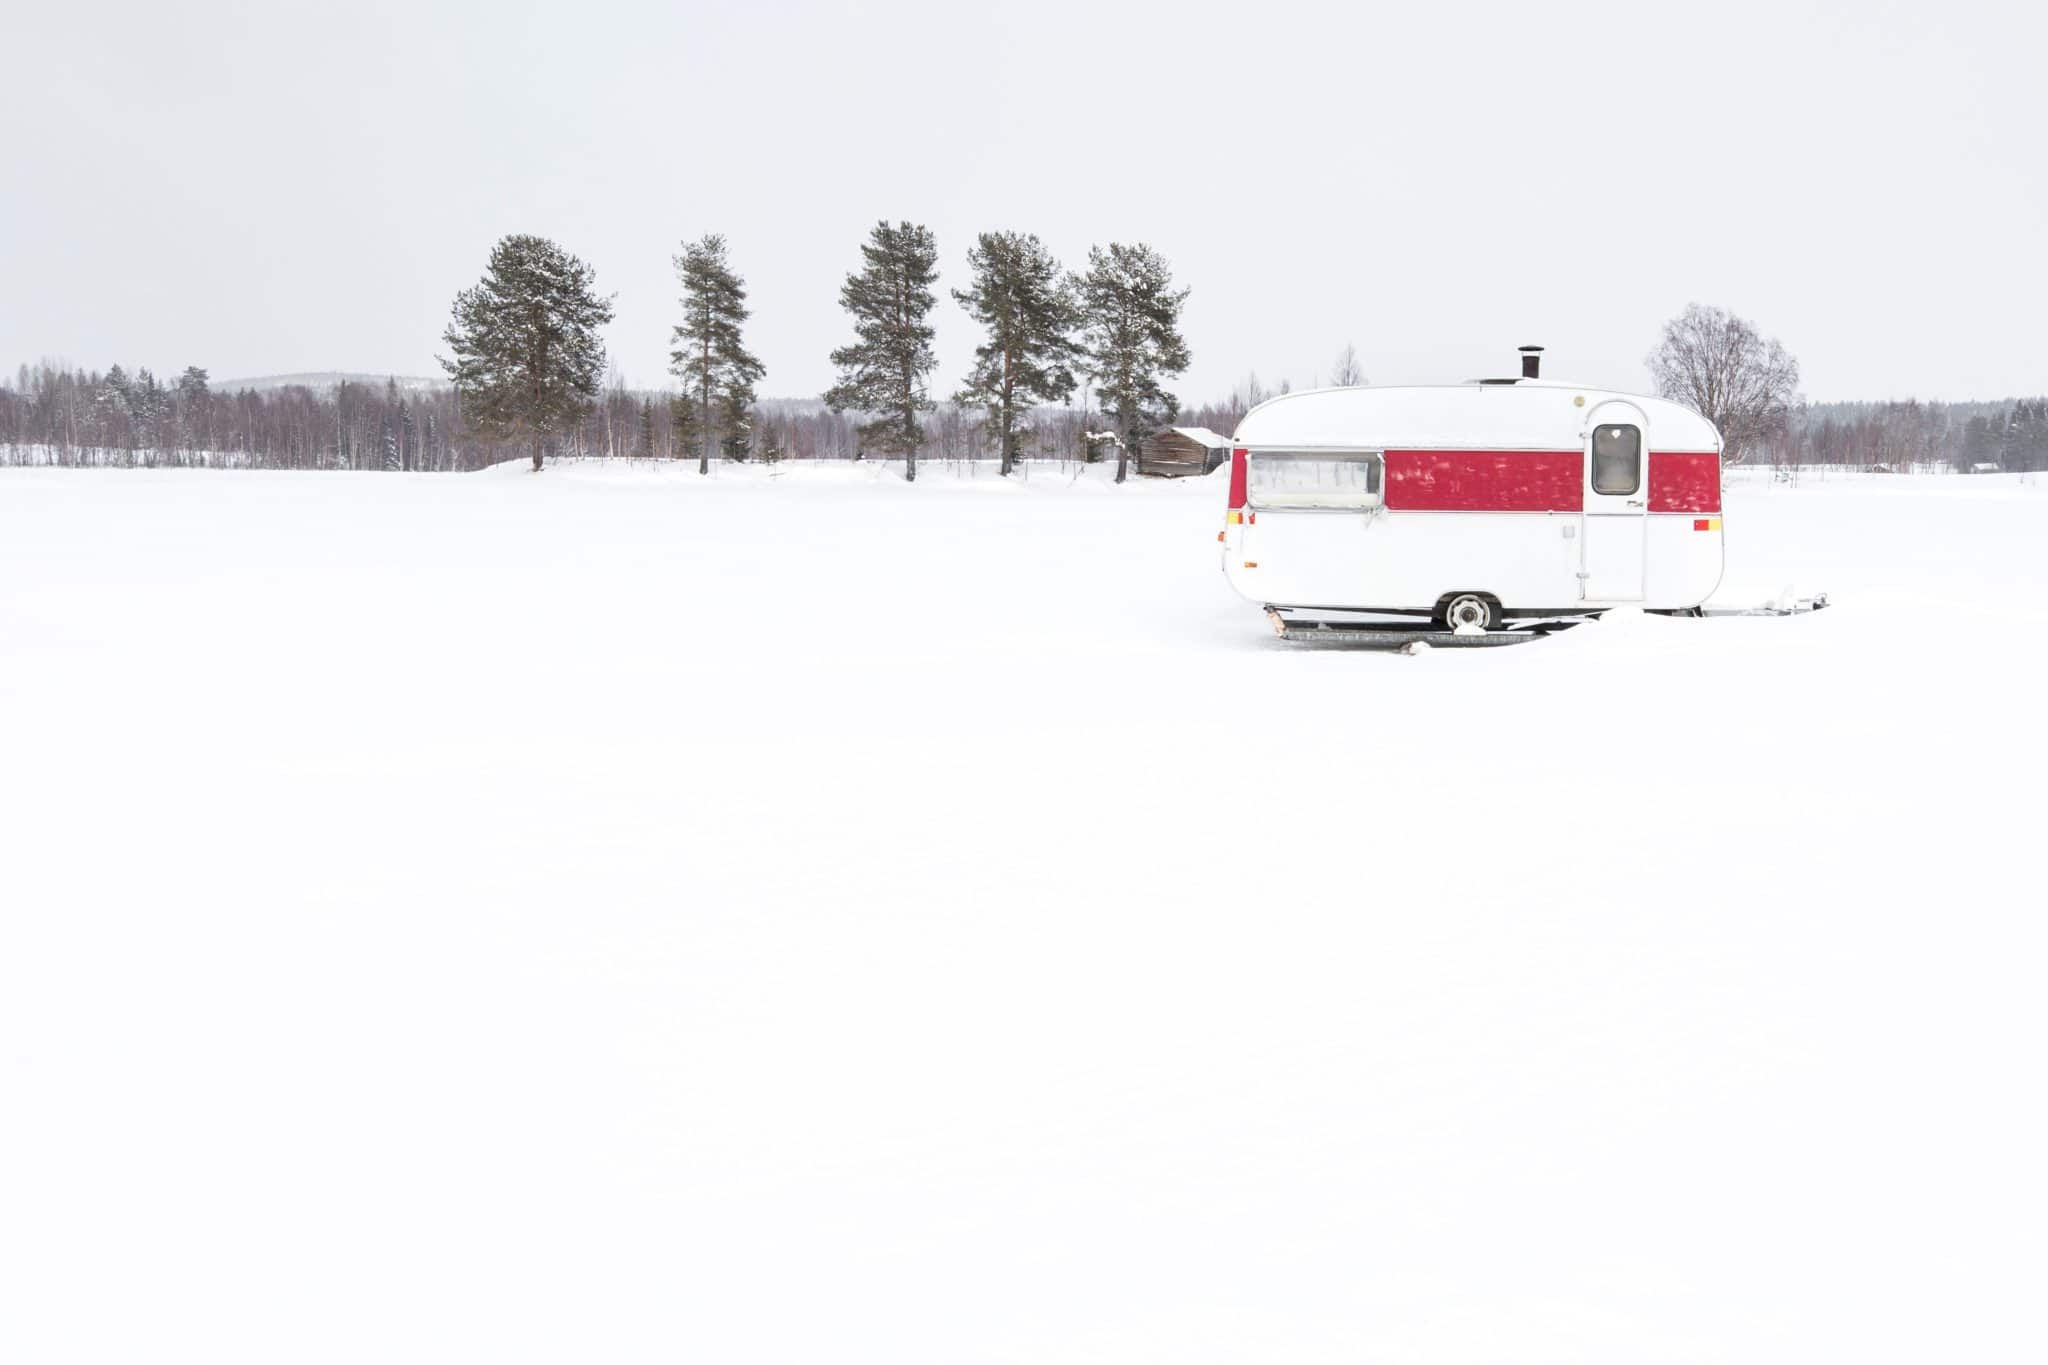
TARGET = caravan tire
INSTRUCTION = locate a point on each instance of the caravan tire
(1469, 609)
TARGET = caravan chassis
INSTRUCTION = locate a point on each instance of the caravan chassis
(1308, 626)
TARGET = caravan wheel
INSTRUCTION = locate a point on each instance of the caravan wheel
(1470, 611)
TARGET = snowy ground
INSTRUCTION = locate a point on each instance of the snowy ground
(614, 917)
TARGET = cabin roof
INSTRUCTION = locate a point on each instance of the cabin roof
(1214, 440)
(1528, 414)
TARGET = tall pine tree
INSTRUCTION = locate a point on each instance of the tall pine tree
(1025, 303)
(716, 369)
(883, 372)
(1132, 314)
(527, 357)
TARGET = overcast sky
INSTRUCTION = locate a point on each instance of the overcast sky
(267, 188)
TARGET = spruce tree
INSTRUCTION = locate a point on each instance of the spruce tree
(709, 357)
(194, 416)
(767, 442)
(736, 427)
(1980, 441)
(682, 423)
(883, 372)
(647, 427)
(527, 357)
(1132, 314)
(1026, 304)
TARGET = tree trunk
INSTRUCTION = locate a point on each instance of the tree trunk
(1009, 416)
(538, 448)
(704, 395)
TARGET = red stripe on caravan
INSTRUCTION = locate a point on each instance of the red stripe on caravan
(1685, 481)
(1485, 480)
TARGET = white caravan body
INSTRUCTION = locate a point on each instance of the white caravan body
(1535, 497)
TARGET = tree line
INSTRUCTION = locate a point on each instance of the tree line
(2007, 435)
(528, 377)
(528, 374)
(56, 414)
(526, 361)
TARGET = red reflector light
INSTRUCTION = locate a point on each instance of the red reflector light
(1237, 477)
(1702, 524)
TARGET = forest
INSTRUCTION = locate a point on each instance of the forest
(57, 414)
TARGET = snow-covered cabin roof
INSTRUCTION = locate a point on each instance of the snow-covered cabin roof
(1214, 440)
(1528, 414)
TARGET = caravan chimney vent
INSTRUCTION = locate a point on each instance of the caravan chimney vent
(1532, 361)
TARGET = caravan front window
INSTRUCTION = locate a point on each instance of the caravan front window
(1314, 479)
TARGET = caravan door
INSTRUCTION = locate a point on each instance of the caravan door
(1617, 501)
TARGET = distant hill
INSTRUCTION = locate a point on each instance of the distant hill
(325, 381)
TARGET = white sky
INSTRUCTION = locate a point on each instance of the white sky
(266, 188)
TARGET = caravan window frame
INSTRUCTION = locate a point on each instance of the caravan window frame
(1375, 458)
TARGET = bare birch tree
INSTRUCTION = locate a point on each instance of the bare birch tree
(1721, 367)
(1347, 375)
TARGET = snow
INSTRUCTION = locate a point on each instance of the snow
(796, 916)
(1526, 415)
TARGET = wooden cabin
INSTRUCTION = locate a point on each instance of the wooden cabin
(1173, 451)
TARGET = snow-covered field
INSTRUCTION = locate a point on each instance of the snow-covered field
(613, 916)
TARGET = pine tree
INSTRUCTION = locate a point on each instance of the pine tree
(709, 356)
(1026, 304)
(883, 371)
(528, 359)
(647, 427)
(1132, 314)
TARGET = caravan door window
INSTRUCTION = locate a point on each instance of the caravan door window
(1617, 460)
(1314, 479)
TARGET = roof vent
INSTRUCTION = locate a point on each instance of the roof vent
(1532, 361)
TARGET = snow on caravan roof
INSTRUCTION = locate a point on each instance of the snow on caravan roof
(1528, 415)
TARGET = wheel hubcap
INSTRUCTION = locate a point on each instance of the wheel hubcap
(1467, 611)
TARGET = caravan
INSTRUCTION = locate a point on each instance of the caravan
(1472, 504)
